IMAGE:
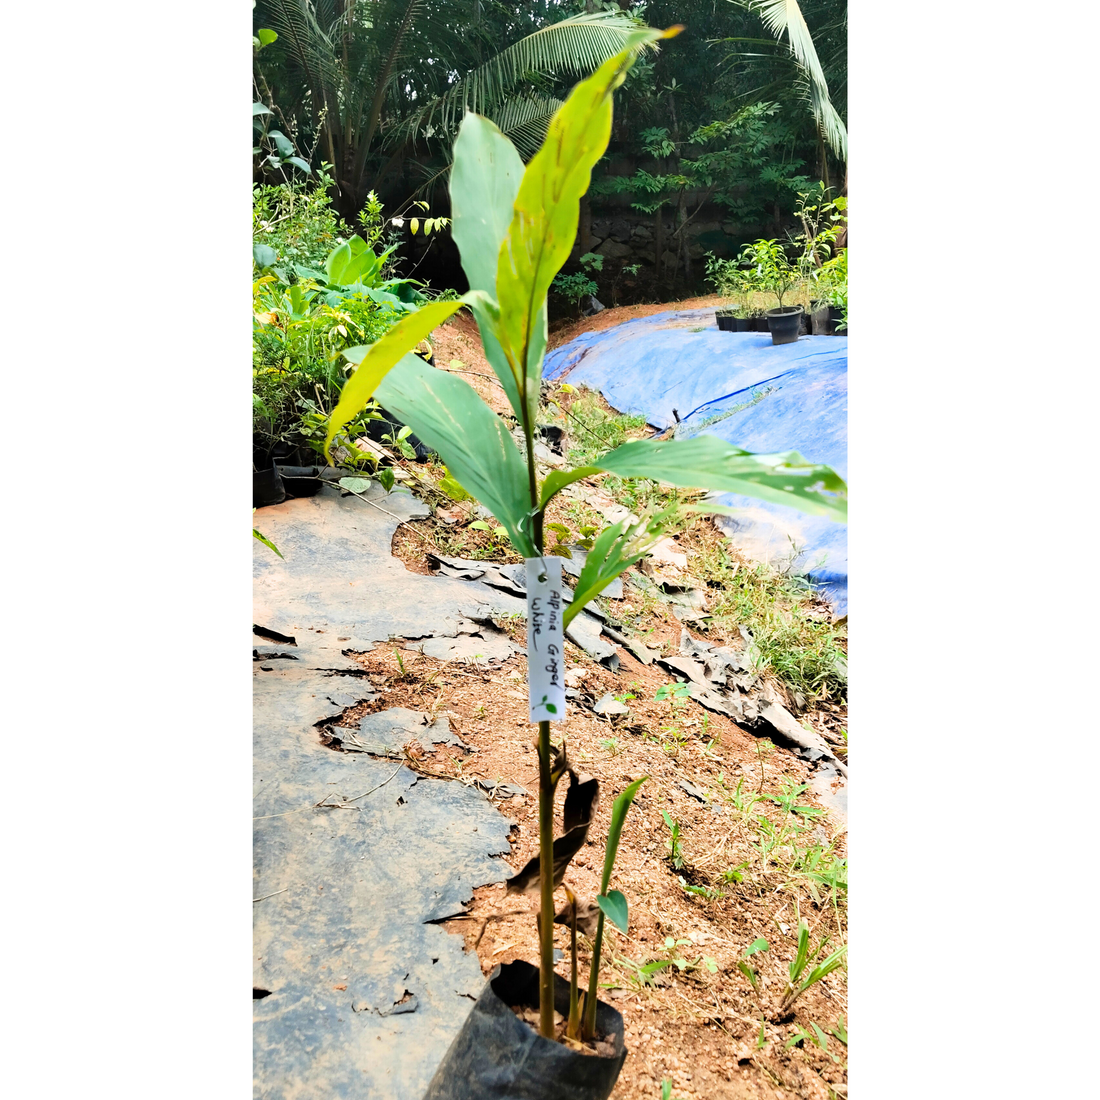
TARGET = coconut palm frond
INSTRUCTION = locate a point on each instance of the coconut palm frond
(524, 120)
(296, 23)
(784, 18)
(574, 46)
(829, 121)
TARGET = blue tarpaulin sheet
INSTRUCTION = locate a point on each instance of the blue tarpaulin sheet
(742, 388)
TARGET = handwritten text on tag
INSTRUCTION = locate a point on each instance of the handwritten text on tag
(545, 649)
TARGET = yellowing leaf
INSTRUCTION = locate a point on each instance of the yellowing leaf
(376, 360)
(547, 210)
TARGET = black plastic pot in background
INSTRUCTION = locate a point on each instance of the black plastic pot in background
(744, 324)
(301, 481)
(784, 324)
(761, 324)
(389, 425)
(836, 317)
(497, 1056)
(267, 488)
(281, 452)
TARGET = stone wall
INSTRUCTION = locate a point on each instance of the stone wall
(626, 236)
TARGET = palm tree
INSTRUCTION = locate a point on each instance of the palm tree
(369, 80)
(785, 20)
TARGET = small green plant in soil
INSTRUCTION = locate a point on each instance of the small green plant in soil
(707, 893)
(514, 227)
(804, 956)
(745, 966)
(678, 697)
(674, 843)
(816, 1035)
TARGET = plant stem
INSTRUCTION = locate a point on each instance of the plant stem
(589, 1030)
(574, 1025)
(546, 886)
(546, 787)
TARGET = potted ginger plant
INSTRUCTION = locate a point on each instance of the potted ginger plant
(514, 228)
(775, 273)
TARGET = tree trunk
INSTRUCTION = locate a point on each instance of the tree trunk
(681, 217)
(658, 243)
(823, 153)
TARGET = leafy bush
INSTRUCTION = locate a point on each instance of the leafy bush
(769, 269)
(573, 288)
(833, 281)
(298, 366)
(576, 287)
(320, 291)
(730, 281)
(296, 221)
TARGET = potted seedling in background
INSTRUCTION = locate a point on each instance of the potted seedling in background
(777, 275)
(514, 228)
(823, 219)
(834, 289)
(739, 285)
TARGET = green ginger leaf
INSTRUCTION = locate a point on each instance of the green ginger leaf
(546, 212)
(614, 905)
(378, 359)
(707, 462)
(449, 416)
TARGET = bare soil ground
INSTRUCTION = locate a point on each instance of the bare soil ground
(699, 1028)
(562, 331)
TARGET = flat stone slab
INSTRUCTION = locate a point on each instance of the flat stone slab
(357, 992)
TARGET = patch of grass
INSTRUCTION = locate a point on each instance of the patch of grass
(802, 648)
(806, 652)
(594, 431)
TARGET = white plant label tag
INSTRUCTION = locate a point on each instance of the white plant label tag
(545, 644)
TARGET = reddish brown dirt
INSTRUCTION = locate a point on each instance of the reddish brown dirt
(695, 1027)
(562, 332)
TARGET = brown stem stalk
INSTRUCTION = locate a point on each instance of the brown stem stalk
(589, 1031)
(546, 886)
(574, 1026)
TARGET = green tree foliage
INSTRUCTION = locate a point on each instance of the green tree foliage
(373, 84)
(785, 20)
(723, 121)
